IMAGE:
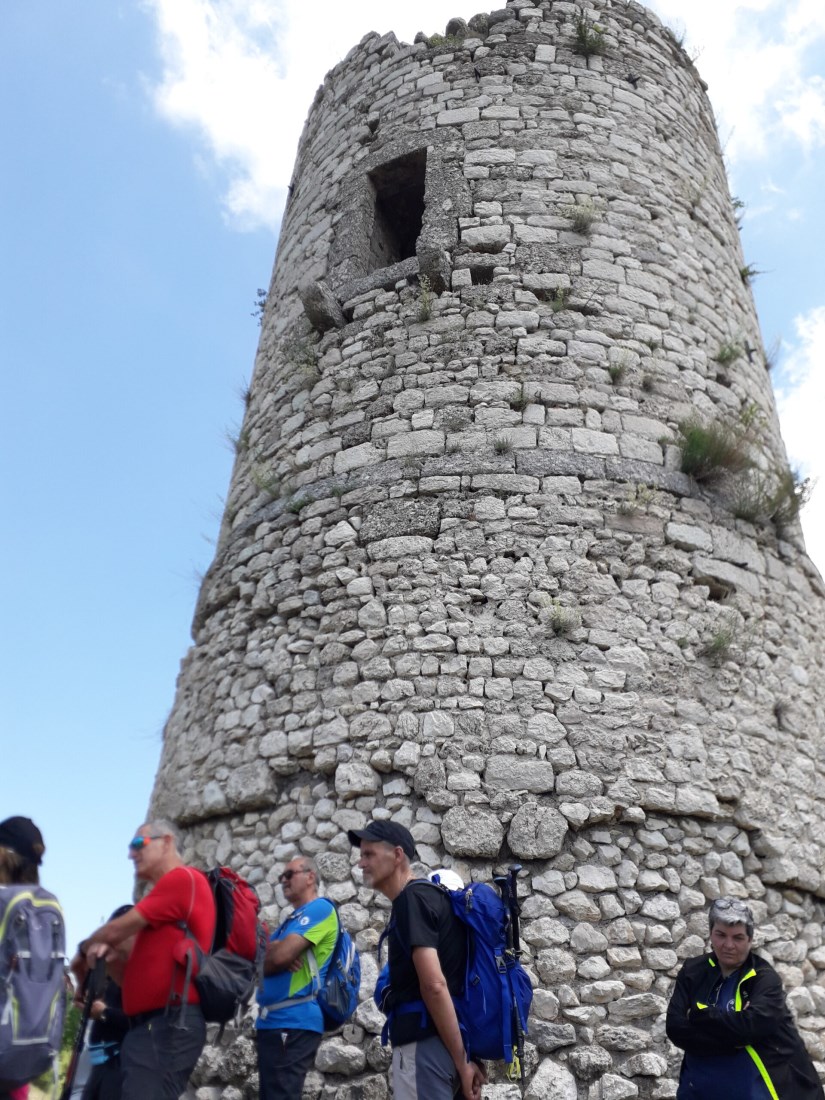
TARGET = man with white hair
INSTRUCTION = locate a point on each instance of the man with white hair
(167, 1030)
(728, 1014)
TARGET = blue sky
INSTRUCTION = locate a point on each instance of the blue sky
(146, 151)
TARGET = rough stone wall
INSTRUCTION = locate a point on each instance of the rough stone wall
(462, 580)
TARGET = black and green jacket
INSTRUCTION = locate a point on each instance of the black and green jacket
(760, 1024)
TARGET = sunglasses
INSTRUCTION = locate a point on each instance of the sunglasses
(138, 842)
(730, 903)
(286, 876)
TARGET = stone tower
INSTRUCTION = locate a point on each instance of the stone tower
(494, 562)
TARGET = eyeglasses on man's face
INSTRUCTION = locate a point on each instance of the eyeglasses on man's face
(286, 876)
(138, 842)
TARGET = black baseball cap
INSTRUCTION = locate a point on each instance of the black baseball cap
(388, 831)
(22, 836)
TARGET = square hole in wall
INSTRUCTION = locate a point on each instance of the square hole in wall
(399, 209)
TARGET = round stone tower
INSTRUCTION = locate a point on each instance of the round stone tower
(510, 552)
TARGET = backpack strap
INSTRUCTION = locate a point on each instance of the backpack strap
(315, 972)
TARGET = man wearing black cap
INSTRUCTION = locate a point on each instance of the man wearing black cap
(427, 960)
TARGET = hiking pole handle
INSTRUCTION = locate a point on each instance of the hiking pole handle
(503, 883)
(515, 907)
(93, 988)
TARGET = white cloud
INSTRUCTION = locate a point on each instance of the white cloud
(756, 56)
(242, 74)
(804, 113)
(801, 402)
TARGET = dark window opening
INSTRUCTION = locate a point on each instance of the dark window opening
(399, 209)
(481, 276)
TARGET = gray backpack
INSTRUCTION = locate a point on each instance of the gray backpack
(32, 986)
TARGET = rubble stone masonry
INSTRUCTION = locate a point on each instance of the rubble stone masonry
(462, 580)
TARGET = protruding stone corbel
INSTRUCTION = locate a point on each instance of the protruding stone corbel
(321, 306)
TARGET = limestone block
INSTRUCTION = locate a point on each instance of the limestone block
(518, 318)
(486, 238)
(337, 1056)
(645, 1064)
(355, 779)
(426, 442)
(576, 904)
(321, 306)
(551, 1079)
(596, 880)
(611, 1087)
(688, 537)
(389, 519)
(594, 443)
(248, 786)
(372, 616)
(355, 458)
(536, 831)
(638, 1007)
(341, 534)
(472, 831)
(723, 571)
(519, 773)
(457, 116)
(403, 546)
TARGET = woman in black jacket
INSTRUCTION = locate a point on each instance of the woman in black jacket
(728, 1013)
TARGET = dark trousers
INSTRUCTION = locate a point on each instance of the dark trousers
(104, 1081)
(157, 1056)
(283, 1060)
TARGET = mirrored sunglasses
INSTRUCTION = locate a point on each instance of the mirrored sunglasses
(138, 842)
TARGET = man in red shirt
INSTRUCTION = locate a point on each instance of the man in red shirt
(165, 1035)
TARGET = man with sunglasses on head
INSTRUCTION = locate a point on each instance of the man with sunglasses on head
(290, 1023)
(728, 1013)
(166, 1026)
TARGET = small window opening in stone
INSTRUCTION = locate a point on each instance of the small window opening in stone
(399, 209)
(481, 276)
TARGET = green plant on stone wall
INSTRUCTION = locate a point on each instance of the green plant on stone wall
(711, 451)
(748, 273)
(619, 367)
(299, 350)
(502, 444)
(518, 400)
(637, 499)
(728, 353)
(775, 495)
(558, 301)
(589, 41)
(260, 306)
(718, 644)
(425, 298)
(582, 214)
(450, 41)
(299, 503)
(266, 481)
(562, 620)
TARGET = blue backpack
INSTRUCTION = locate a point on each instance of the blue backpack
(493, 1008)
(338, 996)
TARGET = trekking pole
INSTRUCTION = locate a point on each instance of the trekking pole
(93, 985)
(509, 895)
(514, 940)
(515, 907)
